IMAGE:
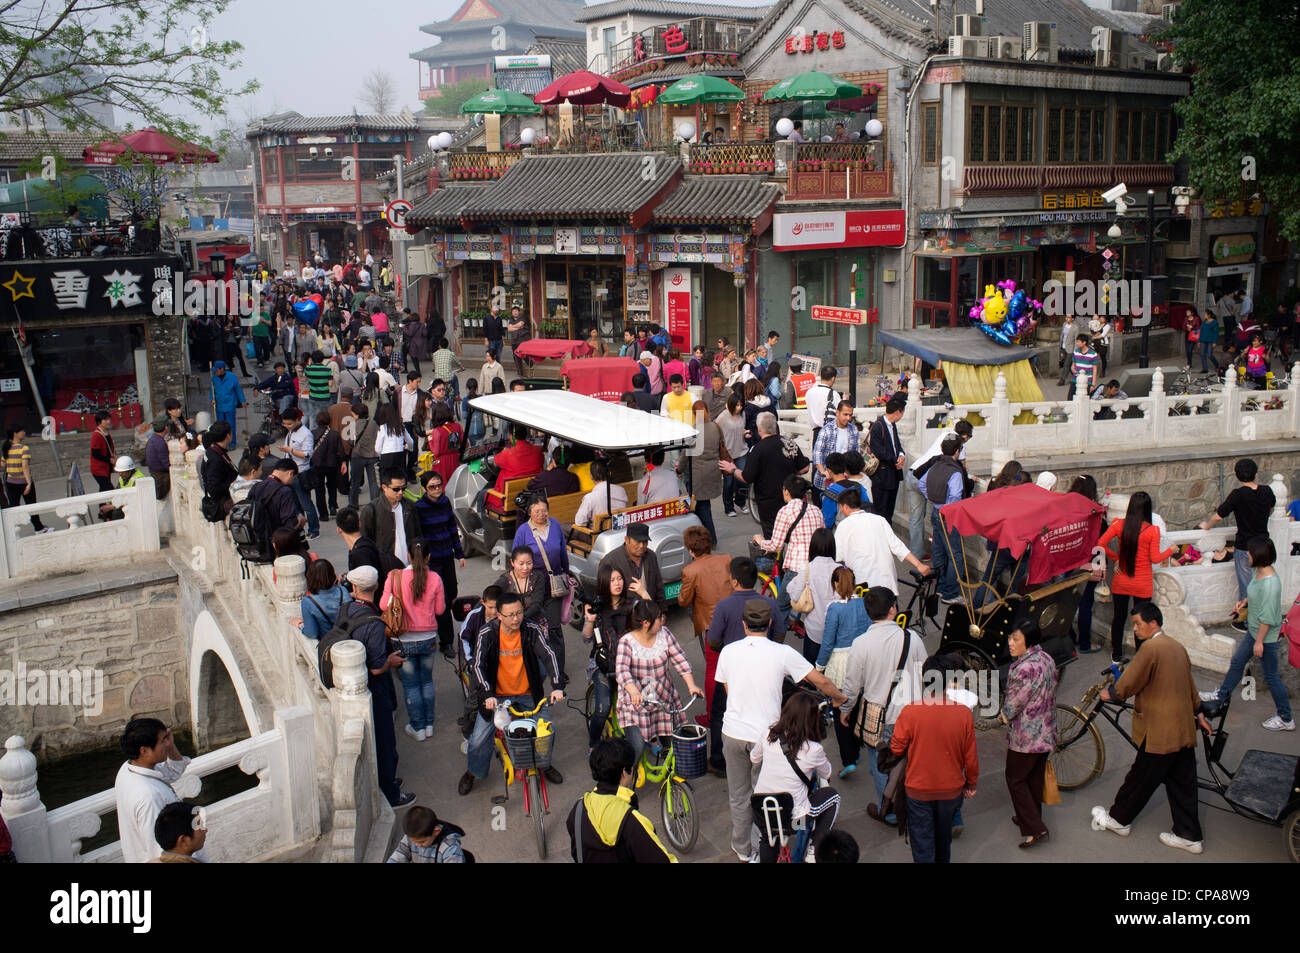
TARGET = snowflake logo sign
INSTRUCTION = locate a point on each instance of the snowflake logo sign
(123, 289)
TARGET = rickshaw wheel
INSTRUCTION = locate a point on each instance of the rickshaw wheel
(972, 656)
(1080, 755)
(1291, 833)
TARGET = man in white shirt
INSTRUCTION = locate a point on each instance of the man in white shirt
(752, 672)
(918, 506)
(873, 660)
(659, 482)
(604, 497)
(866, 544)
(144, 787)
(298, 446)
(818, 396)
(1067, 348)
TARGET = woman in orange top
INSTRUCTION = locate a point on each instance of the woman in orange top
(1139, 550)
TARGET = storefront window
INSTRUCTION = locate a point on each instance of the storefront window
(482, 277)
(813, 275)
(934, 279)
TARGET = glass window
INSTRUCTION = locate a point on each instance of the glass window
(930, 140)
(1054, 135)
(1121, 136)
(934, 279)
(1026, 135)
(1148, 137)
(995, 135)
(976, 153)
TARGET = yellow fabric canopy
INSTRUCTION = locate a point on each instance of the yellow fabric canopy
(973, 384)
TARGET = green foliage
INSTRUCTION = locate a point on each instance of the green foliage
(455, 95)
(1244, 108)
(156, 61)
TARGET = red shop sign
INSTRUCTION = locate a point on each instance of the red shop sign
(816, 40)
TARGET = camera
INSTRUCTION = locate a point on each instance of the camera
(1115, 192)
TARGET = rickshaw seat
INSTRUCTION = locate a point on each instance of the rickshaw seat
(503, 501)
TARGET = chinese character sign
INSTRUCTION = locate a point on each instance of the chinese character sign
(675, 40)
(70, 288)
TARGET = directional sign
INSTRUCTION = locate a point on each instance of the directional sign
(397, 211)
(839, 315)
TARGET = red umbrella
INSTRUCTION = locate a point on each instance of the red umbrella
(1061, 527)
(147, 145)
(584, 88)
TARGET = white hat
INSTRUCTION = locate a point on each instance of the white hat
(365, 578)
(1047, 479)
(124, 465)
(646, 356)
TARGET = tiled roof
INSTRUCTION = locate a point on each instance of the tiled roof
(17, 147)
(613, 185)
(568, 54)
(668, 8)
(296, 122)
(552, 13)
(445, 205)
(718, 198)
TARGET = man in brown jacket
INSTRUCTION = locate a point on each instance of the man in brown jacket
(1166, 711)
(706, 580)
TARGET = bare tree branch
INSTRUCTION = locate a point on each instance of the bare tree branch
(378, 92)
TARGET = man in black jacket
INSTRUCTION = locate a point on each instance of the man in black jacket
(612, 830)
(276, 493)
(379, 518)
(510, 661)
(280, 388)
(493, 331)
(886, 446)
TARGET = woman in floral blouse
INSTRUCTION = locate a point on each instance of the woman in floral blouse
(1029, 709)
(641, 670)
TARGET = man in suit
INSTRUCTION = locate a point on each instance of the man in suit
(391, 521)
(885, 444)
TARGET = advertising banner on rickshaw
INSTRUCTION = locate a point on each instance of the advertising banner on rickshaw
(1063, 548)
(652, 511)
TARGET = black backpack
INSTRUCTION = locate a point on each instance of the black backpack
(250, 526)
(344, 628)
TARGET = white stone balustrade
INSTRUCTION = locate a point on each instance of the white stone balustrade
(86, 540)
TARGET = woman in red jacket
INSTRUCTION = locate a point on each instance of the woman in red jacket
(1139, 550)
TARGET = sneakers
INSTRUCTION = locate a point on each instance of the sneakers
(950, 600)
(464, 746)
(731, 513)
(43, 530)
(1182, 843)
(403, 800)
(810, 856)
(313, 536)
(1238, 627)
(848, 769)
(1102, 821)
(465, 785)
(1277, 724)
(553, 775)
(743, 858)
(1209, 696)
(416, 733)
(957, 829)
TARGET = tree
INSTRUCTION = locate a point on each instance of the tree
(453, 96)
(152, 59)
(378, 92)
(1239, 123)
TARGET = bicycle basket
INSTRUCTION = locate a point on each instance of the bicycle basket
(691, 750)
(526, 749)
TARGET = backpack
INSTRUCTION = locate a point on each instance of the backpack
(453, 440)
(250, 527)
(345, 626)
(1291, 632)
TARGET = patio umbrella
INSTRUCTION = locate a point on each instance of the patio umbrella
(147, 145)
(811, 86)
(693, 90)
(584, 88)
(505, 102)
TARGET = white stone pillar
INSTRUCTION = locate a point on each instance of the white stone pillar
(1293, 401)
(1231, 405)
(302, 790)
(24, 814)
(917, 414)
(1082, 416)
(1159, 408)
(1002, 454)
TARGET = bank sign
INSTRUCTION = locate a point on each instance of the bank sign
(797, 231)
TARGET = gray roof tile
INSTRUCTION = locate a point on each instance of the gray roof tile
(444, 206)
(296, 122)
(614, 185)
(670, 8)
(718, 198)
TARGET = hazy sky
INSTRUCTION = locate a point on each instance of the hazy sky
(312, 57)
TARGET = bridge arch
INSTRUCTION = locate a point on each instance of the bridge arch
(218, 688)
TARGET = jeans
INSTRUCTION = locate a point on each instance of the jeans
(929, 828)
(637, 740)
(704, 511)
(17, 497)
(361, 469)
(734, 491)
(1245, 572)
(479, 756)
(879, 777)
(716, 714)
(495, 344)
(1120, 604)
(917, 506)
(602, 698)
(417, 678)
(1207, 357)
(327, 490)
(1241, 657)
(263, 348)
(1085, 616)
(306, 505)
(783, 597)
(947, 568)
(1191, 351)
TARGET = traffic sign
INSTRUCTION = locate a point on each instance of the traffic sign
(397, 211)
(821, 312)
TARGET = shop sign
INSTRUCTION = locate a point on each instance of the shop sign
(1232, 249)
(650, 512)
(816, 40)
(522, 61)
(1237, 209)
(1064, 200)
(10, 385)
(793, 231)
(86, 286)
(566, 241)
(677, 306)
(821, 312)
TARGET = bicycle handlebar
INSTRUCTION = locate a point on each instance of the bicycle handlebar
(524, 714)
(672, 711)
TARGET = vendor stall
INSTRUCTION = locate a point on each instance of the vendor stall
(970, 362)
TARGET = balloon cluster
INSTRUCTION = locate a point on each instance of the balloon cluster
(1005, 314)
(308, 309)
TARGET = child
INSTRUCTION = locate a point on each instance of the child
(428, 841)
(855, 464)
(1257, 361)
(178, 835)
(248, 473)
(1263, 623)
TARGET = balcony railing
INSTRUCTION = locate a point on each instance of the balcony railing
(701, 37)
(481, 165)
(829, 170)
(733, 158)
(30, 240)
(978, 179)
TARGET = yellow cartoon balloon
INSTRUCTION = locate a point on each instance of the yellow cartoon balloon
(995, 308)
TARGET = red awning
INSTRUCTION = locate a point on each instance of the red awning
(1061, 528)
(147, 145)
(605, 378)
(583, 88)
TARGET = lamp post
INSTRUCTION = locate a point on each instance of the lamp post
(1144, 359)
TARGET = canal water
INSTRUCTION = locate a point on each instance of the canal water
(65, 780)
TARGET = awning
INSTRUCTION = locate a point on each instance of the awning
(957, 345)
(586, 420)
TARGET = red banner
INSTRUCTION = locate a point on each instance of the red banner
(677, 306)
(652, 511)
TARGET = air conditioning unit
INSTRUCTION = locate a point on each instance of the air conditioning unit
(1168, 10)
(969, 47)
(1136, 61)
(1009, 47)
(1166, 63)
(1104, 38)
(965, 24)
(1040, 41)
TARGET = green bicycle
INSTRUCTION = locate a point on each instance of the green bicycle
(678, 814)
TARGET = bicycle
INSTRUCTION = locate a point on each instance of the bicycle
(529, 755)
(678, 814)
(923, 608)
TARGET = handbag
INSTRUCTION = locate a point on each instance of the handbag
(804, 604)
(394, 617)
(1051, 792)
(560, 585)
(871, 716)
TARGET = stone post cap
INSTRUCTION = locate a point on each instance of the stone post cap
(349, 660)
(18, 776)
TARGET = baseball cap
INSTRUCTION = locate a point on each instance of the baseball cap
(757, 614)
(349, 360)
(364, 577)
(218, 365)
(639, 532)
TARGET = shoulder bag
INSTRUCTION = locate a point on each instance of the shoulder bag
(394, 617)
(559, 581)
(871, 716)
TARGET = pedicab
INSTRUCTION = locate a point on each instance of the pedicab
(1045, 541)
(614, 431)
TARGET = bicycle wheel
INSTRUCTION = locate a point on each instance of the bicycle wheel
(678, 814)
(1291, 832)
(751, 507)
(538, 811)
(1080, 753)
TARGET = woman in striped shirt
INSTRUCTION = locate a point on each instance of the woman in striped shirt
(19, 486)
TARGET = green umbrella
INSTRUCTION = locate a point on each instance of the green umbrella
(503, 101)
(810, 86)
(693, 90)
